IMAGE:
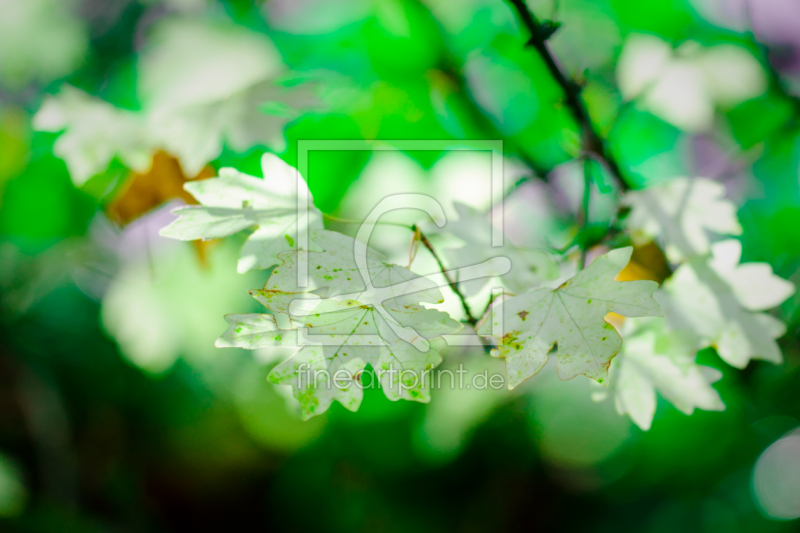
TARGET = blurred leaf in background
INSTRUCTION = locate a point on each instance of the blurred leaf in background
(117, 413)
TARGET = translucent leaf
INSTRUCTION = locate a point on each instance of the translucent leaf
(529, 268)
(203, 87)
(204, 84)
(711, 300)
(529, 325)
(755, 286)
(681, 211)
(653, 360)
(40, 40)
(190, 61)
(686, 85)
(362, 321)
(196, 134)
(235, 201)
(94, 133)
(170, 306)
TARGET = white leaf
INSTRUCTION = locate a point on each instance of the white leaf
(686, 85)
(190, 62)
(204, 86)
(654, 360)
(529, 325)
(711, 299)
(94, 133)
(344, 335)
(40, 40)
(196, 134)
(681, 211)
(236, 201)
(754, 284)
(529, 268)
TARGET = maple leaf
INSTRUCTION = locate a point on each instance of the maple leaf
(529, 268)
(236, 201)
(712, 300)
(204, 86)
(685, 85)
(196, 134)
(681, 211)
(176, 300)
(344, 335)
(40, 40)
(529, 325)
(94, 133)
(356, 275)
(335, 345)
(653, 360)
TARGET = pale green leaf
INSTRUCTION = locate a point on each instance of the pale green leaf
(711, 300)
(196, 134)
(529, 325)
(204, 84)
(40, 40)
(684, 86)
(170, 306)
(190, 61)
(755, 286)
(655, 360)
(342, 334)
(529, 268)
(681, 211)
(94, 133)
(235, 201)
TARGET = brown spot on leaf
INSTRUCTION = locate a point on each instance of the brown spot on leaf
(511, 339)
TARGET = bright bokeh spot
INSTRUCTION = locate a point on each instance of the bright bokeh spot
(776, 479)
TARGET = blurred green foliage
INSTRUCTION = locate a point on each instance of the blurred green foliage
(92, 441)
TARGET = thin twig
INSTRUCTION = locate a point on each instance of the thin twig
(587, 198)
(592, 140)
(413, 247)
(353, 221)
(471, 320)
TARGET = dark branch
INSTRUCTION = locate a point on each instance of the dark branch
(592, 141)
(471, 320)
(585, 205)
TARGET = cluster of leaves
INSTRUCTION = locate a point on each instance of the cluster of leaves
(710, 300)
(358, 310)
(344, 306)
(188, 109)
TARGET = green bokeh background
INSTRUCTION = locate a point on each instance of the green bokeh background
(91, 442)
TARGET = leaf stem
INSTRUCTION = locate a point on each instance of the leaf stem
(471, 320)
(592, 140)
(353, 221)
